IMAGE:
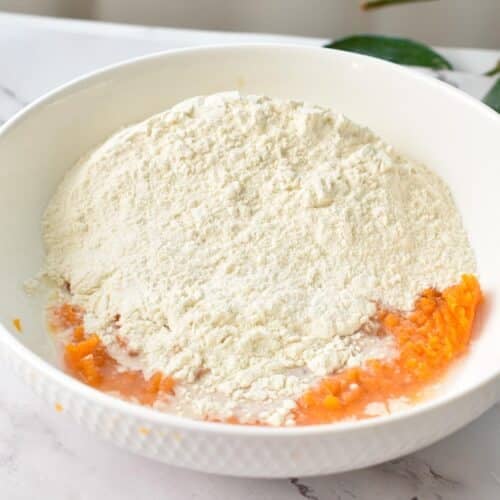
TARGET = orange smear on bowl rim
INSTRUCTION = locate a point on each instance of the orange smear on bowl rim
(16, 322)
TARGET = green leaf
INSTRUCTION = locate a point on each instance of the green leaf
(398, 50)
(493, 71)
(375, 4)
(492, 98)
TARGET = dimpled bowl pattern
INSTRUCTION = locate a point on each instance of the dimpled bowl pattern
(425, 119)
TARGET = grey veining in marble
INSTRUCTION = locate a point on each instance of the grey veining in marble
(44, 455)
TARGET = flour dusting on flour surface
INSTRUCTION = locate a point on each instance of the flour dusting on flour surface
(245, 243)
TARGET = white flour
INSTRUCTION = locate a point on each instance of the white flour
(244, 242)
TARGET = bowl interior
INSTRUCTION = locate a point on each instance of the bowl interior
(424, 119)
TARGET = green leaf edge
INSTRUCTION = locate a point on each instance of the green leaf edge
(376, 4)
(439, 62)
(492, 98)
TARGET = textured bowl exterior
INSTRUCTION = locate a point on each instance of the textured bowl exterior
(69, 121)
(279, 453)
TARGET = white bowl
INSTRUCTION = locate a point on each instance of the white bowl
(427, 120)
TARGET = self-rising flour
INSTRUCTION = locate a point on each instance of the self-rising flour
(244, 243)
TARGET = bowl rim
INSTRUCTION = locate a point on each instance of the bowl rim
(148, 414)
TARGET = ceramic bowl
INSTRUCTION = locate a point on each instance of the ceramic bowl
(427, 120)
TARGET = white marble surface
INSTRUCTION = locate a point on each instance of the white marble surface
(44, 455)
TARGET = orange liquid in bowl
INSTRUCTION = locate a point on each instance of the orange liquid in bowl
(428, 340)
(87, 359)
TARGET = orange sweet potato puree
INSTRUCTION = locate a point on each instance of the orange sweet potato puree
(87, 359)
(427, 340)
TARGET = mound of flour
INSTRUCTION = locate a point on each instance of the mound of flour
(245, 242)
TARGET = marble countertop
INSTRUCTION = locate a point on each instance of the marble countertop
(43, 454)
